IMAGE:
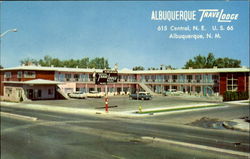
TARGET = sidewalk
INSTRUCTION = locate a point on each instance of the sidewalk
(240, 102)
(237, 124)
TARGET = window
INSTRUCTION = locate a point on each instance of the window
(198, 89)
(181, 78)
(125, 78)
(174, 87)
(7, 74)
(174, 78)
(232, 83)
(19, 74)
(19, 93)
(215, 78)
(83, 77)
(189, 78)
(50, 91)
(39, 93)
(166, 78)
(67, 77)
(76, 77)
(61, 77)
(8, 91)
(91, 77)
(153, 78)
(29, 74)
(198, 78)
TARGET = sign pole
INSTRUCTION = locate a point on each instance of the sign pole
(107, 76)
(106, 99)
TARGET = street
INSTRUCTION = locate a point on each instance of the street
(57, 135)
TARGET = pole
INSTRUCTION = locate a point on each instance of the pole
(11, 30)
(106, 99)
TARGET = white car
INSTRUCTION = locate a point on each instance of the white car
(94, 94)
(173, 92)
(77, 94)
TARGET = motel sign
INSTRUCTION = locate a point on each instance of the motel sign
(108, 76)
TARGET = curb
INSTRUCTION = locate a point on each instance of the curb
(237, 125)
(180, 108)
(19, 116)
(240, 102)
(66, 110)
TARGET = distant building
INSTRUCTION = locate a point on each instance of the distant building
(36, 82)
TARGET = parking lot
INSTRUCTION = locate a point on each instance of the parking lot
(123, 103)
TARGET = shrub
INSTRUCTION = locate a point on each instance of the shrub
(231, 96)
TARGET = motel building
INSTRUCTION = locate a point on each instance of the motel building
(37, 82)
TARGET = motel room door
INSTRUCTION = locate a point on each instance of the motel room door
(30, 93)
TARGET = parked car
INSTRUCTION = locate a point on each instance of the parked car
(141, 96)
(77, 94)
(94, 94)
(172, 92)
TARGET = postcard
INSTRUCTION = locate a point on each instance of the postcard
(124, 79)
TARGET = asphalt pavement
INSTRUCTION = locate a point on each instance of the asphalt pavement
(122, 103)
(58, 135)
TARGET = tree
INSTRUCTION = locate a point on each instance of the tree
(98, 62)
(169, 67)
(29, 61)
(210, 61)
(138, 68)
(84, 62)
(153, 68)
(227, 63)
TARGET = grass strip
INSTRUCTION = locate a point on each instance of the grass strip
(174, 109)
(246, 102)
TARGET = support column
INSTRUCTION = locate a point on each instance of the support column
(202, 90)
(86, 88)
(170, 81)
(106, 90)
(95, 87)
(186, 90)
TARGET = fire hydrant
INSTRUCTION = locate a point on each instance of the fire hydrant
(140, 109)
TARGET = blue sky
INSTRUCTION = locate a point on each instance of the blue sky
(120, 31)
